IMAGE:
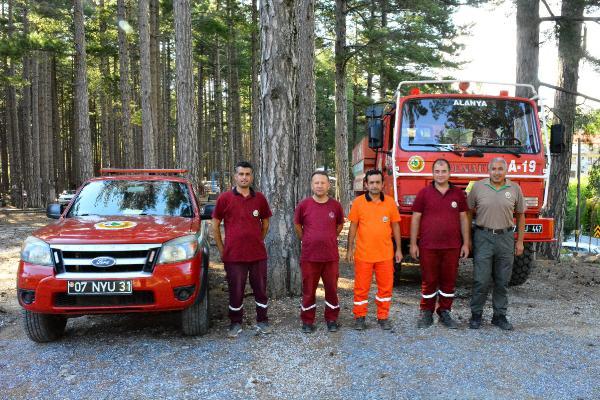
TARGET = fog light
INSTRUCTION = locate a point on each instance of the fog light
(182, 293)
(27, 296)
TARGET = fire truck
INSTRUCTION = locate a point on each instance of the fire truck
(129, 241)
(468, 129)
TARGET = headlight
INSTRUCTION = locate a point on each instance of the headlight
(531, 202)
(180, 249)
(408, 199)
(36, 251)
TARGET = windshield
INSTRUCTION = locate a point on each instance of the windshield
(121, 197)
(451, 124)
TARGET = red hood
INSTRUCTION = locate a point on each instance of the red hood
(140, 229)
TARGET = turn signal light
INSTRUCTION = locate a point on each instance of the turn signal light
(504, 93)
(408, 199)
(415, 91)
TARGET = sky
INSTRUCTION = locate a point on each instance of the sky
(492, 50)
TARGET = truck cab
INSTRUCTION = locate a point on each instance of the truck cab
(129, 241)
(468, 129)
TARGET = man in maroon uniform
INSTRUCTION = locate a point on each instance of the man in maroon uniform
(318, 221)
(440, 221)
(245, 214)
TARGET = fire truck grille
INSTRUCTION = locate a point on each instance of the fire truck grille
(104, 259)
(137, 298)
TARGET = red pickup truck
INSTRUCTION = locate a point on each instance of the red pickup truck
(130, 241)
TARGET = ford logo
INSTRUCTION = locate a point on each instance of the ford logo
(103, 262)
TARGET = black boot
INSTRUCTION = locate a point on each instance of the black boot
(501, 322)
(475, 321)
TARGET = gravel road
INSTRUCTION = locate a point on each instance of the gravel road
(554, 352)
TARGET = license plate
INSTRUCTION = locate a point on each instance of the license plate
(531, 228)
(99, 287)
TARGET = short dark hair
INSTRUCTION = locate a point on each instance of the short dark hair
(441, 160)
(319, 173)
(243, 164)
(372, 172)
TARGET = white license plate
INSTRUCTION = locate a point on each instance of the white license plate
(99, 287)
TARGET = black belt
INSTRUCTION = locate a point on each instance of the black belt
(495, 231)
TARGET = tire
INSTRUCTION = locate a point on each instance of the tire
(195, 319)
(523, 265)
(43, 328)
(397, 273)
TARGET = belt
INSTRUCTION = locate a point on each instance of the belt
(495, 231)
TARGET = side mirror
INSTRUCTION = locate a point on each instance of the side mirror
(375, 133)
(54, 210)
(557, 138)
(206, 211)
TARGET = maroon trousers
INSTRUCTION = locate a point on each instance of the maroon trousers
(311, 273)
(237, 273)
(439, 268)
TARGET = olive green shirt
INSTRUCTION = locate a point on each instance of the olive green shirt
(495, 208)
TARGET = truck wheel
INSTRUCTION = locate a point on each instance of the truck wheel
(522, 265)
(43, 328)
(195, 319)
(397, 273)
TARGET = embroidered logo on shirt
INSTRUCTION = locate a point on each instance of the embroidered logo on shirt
(385, 219)
(331, 214)
(454, 204)
(255, 213)
(507, 194)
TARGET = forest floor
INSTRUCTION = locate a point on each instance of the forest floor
(553, 353)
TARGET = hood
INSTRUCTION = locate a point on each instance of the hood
(117, 229)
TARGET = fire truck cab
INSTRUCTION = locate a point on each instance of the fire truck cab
(468, 129)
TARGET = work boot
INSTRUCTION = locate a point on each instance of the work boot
(234, 330)
(475, 321)
(360, 324)
(425, 319)
(308, 328)
(447, 321)
(501, 322)
(385, 324)
(332, 326)
(263, 328)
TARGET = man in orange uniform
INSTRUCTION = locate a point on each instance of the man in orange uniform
(373, 218)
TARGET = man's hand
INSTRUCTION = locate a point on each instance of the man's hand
(399, 255)
(350, 255)
(464, 250)
(414, 251)
(519, 248)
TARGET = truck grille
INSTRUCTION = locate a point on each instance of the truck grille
(127, 258)
(137, 298)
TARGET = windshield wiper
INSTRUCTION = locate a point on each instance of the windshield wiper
(444, 147)
(497, 149)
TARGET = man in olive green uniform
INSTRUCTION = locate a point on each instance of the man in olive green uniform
(495, 200)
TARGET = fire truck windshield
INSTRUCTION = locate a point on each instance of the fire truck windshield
(459, 123)
(125, 197)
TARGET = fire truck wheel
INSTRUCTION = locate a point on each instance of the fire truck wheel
(397, 273)
(43, 328)
(522, 266)
(194, 319)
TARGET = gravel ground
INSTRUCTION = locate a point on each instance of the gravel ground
(554, 352)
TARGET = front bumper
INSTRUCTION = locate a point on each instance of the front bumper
(151, 291)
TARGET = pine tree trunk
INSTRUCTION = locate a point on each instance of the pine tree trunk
(220, 140)
(84, 137)
(570, 52)
(105, 107)
(36, 162)
(342, 168)
(125, 88)
(187, 138)
(154, 73)
(305, 94)
(255, 93)
(200, 128)
(279, 168)
(528, 47)
(59, 163)
(149, 155)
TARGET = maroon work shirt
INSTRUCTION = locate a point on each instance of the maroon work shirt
(440, 217)
(319, 229)
(242, 217)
